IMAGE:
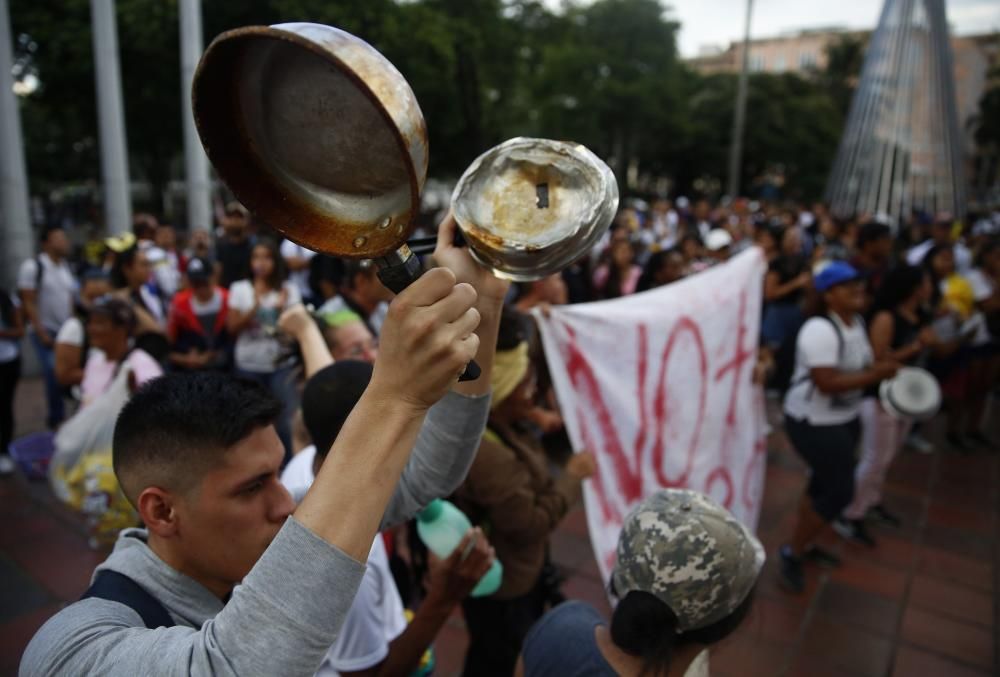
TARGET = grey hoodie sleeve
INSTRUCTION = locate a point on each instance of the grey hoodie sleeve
(442, 455)
(280, 621)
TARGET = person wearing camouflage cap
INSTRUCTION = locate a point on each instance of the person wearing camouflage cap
(684, 577)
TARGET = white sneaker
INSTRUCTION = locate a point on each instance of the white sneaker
(919, 443)
(7, 465)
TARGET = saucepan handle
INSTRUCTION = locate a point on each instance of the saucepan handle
(400, 269)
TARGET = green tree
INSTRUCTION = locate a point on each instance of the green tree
(844, 58)
(611, 79)
(791, 123)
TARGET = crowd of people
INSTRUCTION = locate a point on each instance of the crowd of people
(214, 465)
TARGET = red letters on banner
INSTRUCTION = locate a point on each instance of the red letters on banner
(599, 431)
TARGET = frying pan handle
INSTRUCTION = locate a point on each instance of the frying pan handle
(400, 269)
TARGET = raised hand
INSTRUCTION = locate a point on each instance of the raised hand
(427, 340)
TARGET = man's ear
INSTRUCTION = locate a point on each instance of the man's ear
(158, 510)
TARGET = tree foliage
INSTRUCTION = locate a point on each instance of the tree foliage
(605, 74)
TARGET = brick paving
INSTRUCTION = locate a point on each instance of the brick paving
(923, 603)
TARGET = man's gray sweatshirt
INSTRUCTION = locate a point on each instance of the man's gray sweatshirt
(287, 612)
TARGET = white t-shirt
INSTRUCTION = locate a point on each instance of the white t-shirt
(71, 333)
(257, 348)
(376, 617)
(290, 250)
(819, 346)
(298, 474)
(55, 299)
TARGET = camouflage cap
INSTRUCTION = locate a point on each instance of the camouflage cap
(690, 552)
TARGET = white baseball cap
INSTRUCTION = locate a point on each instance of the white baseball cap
(717, 239)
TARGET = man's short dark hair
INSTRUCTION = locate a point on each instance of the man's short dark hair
(328, 399)
(873, 231)
(178, 426)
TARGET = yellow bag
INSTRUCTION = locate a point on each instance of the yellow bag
(81, 473)
(94, 491)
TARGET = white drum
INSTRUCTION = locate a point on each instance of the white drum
(913, 394)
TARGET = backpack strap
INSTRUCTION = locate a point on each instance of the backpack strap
(840, 352)
(116, 587)
(39, 272)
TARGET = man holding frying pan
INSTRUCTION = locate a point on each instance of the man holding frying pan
(229, 576)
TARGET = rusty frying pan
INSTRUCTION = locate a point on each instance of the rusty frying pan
(319, 135)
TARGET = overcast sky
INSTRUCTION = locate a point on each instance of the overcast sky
(718, 22)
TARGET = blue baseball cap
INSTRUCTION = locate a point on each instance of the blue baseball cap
(836, 272)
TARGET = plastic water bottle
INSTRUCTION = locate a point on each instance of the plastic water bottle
(441, 527)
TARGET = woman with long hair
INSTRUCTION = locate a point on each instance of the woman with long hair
(952, 307)
(619, 276)
(662, 268)
(130, 276)
(684, 579)
(254, 307)
(834, 364)
(899, 331)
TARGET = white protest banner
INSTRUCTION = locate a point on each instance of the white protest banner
(658, 385)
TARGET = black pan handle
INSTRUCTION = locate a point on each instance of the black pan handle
(399, 270)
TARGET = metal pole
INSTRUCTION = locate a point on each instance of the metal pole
(739, 115)
(111, 118)
(15, 217)
(199, 188)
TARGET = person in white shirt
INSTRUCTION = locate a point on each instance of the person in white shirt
(834, 365)
(375, 638)
(72, 347)
(254, 308)
(47, 288)
(167, 273)
(297, 260)
(941, 234)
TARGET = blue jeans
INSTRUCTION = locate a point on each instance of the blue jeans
(53, 391)
(281, 383)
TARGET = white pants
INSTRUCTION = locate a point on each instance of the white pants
(882, 436)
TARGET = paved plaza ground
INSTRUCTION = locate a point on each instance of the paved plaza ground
(923, 603)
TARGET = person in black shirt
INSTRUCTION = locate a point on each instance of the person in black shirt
(899, 331)
(787, 277)
(872, 258)
(232, 252)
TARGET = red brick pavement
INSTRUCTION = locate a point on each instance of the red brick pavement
(923, 603)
